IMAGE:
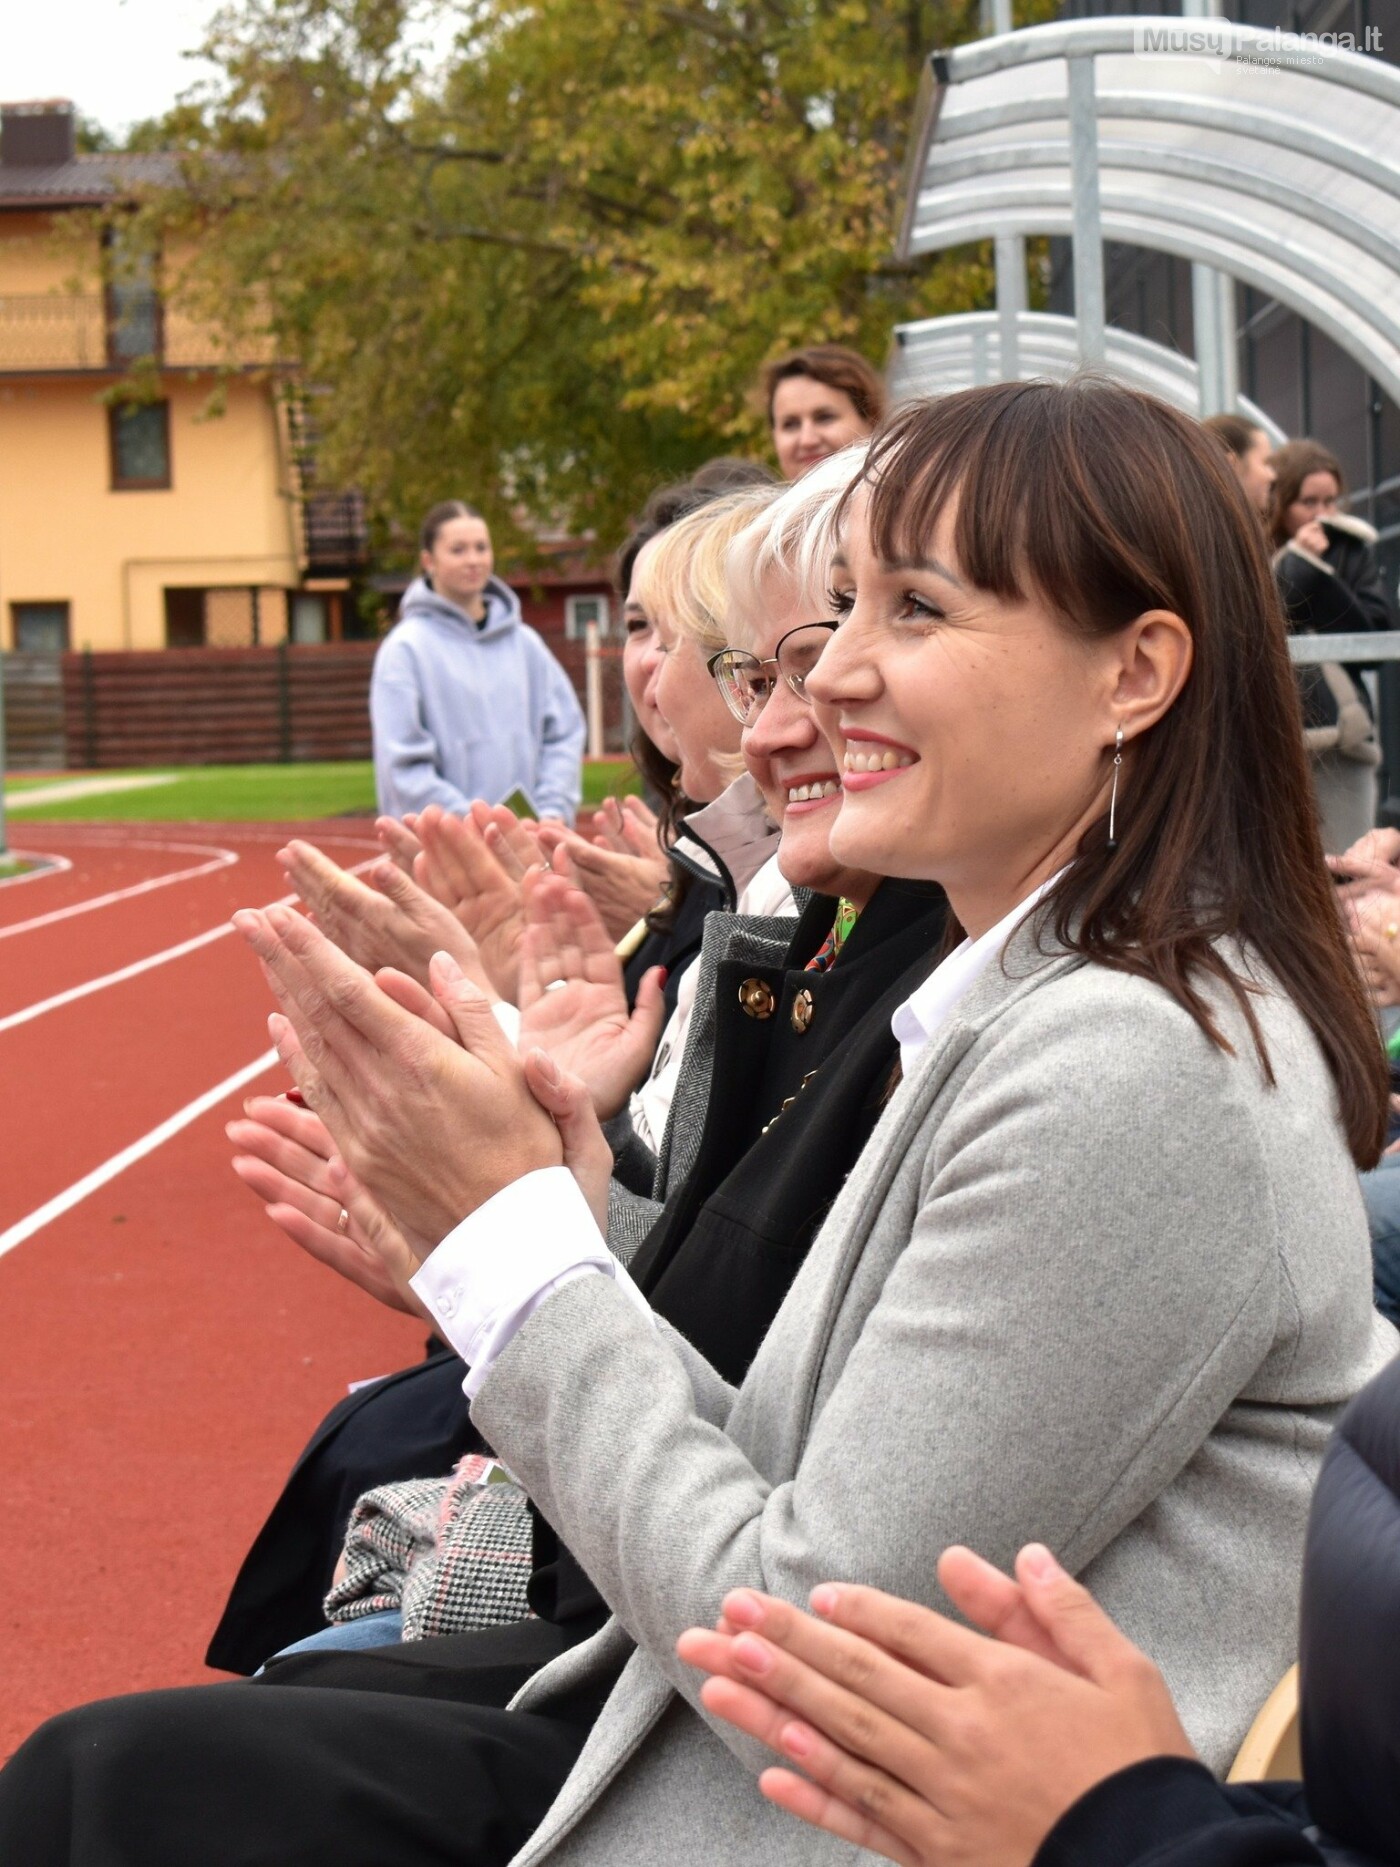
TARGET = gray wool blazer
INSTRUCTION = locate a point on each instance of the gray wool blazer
(1092, 1283)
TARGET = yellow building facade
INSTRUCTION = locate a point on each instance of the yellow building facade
(150, 524)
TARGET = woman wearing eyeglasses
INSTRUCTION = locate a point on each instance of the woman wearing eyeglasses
(1100, 1278)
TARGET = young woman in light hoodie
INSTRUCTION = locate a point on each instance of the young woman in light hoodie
(466, 700)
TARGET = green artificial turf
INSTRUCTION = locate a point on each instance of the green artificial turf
(257, 793)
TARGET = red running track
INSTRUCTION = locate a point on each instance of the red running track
(164, 1350)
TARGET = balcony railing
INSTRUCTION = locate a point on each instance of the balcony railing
(336, 532)
(84, 331)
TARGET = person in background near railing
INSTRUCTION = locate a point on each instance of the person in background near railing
(1251, 455)
(466, 701)
(819, 400)
(1328, 577)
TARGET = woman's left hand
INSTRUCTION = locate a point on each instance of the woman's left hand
(433, 1129)
(922, 1740)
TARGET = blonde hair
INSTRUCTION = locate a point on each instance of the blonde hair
(681, 579)
(793, 539)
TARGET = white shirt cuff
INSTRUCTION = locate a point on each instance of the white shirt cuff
(493, 1271)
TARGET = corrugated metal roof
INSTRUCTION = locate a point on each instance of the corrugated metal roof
(84, 179)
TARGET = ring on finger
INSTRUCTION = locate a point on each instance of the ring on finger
(342, 1224)
(554, 985)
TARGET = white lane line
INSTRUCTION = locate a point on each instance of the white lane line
(138, 966)
(80, 1189)
(34, 795)
(133, 971)
(222, 859)
(53, 865)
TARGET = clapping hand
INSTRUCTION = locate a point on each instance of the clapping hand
(394, 922)
(922, 1740)
(285, 1157)
(431, 1128)
(400, 840)
(1374, 926)
(622, 868)
(573, 1003)
(459, 869)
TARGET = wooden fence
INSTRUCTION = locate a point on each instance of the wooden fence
(34, 736)
(218, 706)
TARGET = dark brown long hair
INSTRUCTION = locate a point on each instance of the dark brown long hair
(1106, 503)
(1293, 462)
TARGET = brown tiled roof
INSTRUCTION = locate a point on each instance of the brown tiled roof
(84, 181)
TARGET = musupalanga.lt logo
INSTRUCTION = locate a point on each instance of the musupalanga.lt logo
(1218, 39)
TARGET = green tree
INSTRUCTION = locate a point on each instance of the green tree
(546, 274)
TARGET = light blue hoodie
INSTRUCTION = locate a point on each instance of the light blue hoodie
(461, 712)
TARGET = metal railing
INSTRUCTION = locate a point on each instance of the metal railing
(78, 331)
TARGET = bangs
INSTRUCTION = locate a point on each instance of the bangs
(1061, 531)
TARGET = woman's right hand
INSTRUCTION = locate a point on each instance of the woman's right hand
(1312, 537)
(458, 868)
(283, 1155)
(922, 1740)
(573, 1003)
(394, 922)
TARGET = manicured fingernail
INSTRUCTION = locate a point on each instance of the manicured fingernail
(743, 1609)
(1041, 1564)
(753, 1654)
(824, 1599)
(797, 1740)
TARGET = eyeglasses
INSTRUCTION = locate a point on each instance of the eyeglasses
(745, 682)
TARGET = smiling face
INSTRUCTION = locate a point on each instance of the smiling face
(641, 663)
(811, 420)
(973, 732)
(460, 561)
(795, 768)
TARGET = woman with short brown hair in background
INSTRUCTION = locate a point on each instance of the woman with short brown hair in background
(819, 400)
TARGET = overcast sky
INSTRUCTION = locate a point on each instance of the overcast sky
(119, 60)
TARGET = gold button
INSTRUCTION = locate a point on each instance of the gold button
(803, 1011)
(756, 997)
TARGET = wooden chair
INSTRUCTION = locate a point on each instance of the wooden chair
(1271, 1752)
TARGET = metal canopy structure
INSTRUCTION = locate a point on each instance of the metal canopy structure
(1284, 176)
(938, 355)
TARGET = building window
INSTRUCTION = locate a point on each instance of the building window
(309, 617)
(40, 628)
(579, 611)
(140, 437)
(133, 302)
(184, 618)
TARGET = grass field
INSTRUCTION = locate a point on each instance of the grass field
(256, 793)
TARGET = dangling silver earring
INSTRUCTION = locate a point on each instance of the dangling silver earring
(1113, 796)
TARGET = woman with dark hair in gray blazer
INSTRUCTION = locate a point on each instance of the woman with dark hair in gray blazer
(1100, 1279)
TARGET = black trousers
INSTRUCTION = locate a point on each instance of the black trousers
(394, 1756)
(242, 1776)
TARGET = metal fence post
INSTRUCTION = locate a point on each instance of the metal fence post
(89, 713)
(1089, 296)
(4, 845)
(284, 703)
